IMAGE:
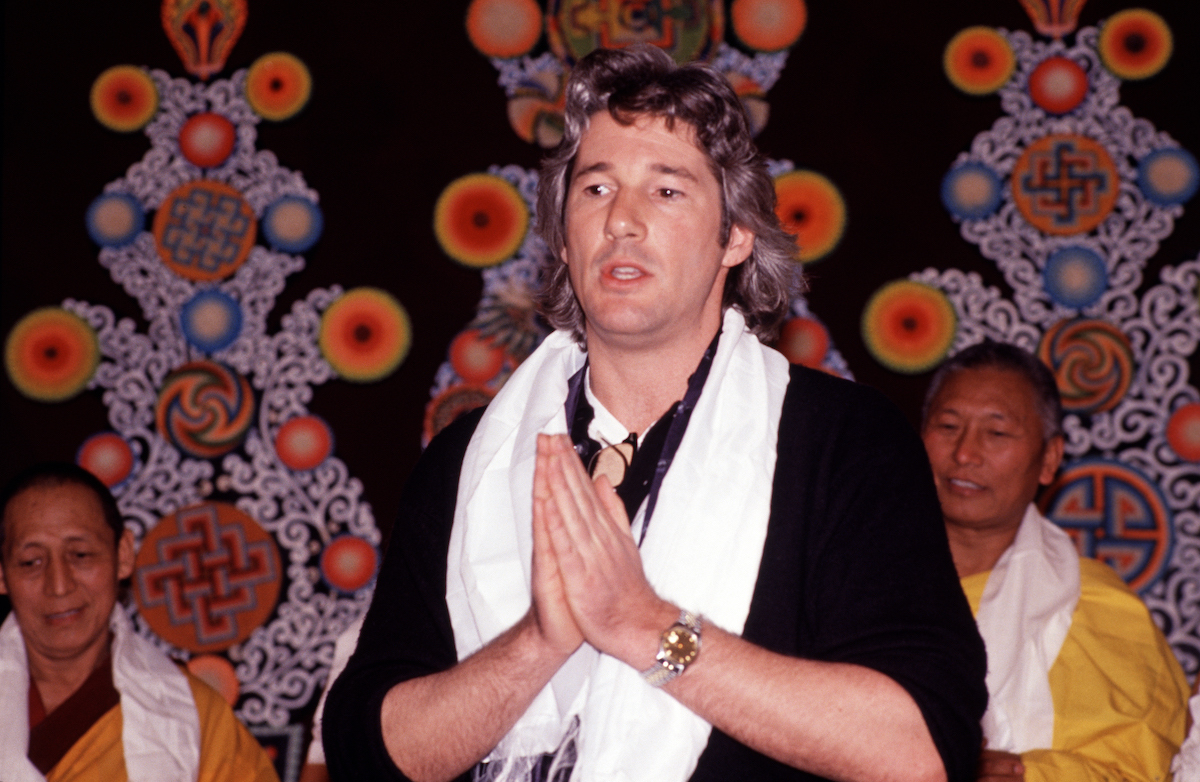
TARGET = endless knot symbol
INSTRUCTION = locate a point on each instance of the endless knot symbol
(1065, 184)
(207, 576)
(1116, 515)
(204, 230)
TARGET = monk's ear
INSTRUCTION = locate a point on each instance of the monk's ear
(1052, 456)
(125, 555)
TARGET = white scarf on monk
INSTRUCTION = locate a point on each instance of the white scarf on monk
(702, 550)
(1024, 616)
(160, 729)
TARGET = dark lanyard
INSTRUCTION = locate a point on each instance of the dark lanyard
(651, 460)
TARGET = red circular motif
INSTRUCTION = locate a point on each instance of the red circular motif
(1058, 85)
(218, 673)
(304, 442)
(1183, 432)
(206, 577)
(476, 358)
(804, 341)
(107, 456)
(207, 139)
(348, 563)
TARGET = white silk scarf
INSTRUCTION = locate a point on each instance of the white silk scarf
(160, 729)
(702, 551)
(1024, 615)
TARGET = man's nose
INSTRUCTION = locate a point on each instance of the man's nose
(966, 448)
(59, 578)
(625, 219)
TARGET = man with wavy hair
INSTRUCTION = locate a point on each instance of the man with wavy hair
(661, 553)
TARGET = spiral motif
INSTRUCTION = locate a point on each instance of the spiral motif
(1092, 362)
(204, 409)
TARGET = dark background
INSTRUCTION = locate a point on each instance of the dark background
(402, 105)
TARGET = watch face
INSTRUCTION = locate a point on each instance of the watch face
(680, 645)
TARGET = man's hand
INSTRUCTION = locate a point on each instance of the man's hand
(596, 557)
(997, 766)
(549, 612)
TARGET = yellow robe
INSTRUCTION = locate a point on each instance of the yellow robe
(227, 750)
(1120, 697)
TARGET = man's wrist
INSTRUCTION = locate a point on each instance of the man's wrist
(679, 648)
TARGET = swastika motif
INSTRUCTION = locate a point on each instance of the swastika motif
(206, 577)
(1115, 514)
(687, 29)
(1065, 184)
(204, 230)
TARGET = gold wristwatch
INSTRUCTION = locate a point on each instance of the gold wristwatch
(678, 648)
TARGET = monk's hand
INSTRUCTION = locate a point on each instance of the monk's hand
(549, 612)
(997, 766)
(601, 568)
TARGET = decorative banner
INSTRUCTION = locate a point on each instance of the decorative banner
(124, 98)
(51, 354)
(204, 409)
(686, 29)
(278, 86)
(206, 577)
(207, 139)
(480, 219)
(115, 219)
(1092, 361)
(978, 60)
(203, 32)
(204, 230)
(909, 327)
(768, 25)
(365, 335)
(304, 442)
(810, 206)
(1065, 184)
(1115, 514)
(349, 563)
(211, 320)
(1135, 44)
(107, 456)
(504, 28)
(218, 673)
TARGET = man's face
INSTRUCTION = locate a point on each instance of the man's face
(984, 440)
(643, 221)
(60, 569)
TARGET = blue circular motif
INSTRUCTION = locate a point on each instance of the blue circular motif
(1075, 276)
(971, 191)
(292, 224)
(115, 219)
(211, 320)
(1168, 176)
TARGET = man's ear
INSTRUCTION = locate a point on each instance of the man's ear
(125, 555)
(1052, 456)
(3, 583)
(739, 246)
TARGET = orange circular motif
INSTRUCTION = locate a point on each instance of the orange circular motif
(978, 60)
(51, 354)
(304, 442)
(206, 577)
(810, 206)
(1065, 184)
(1183, 432)
(768, 25)
(365, 334)
(204, 230)
(480, 220)
(278, 85)
(1135, 44)
(124, 98)
(804, 341)
(348, 563)
(476, 358)
(908, 326)
(1058, 84)
(504, 28)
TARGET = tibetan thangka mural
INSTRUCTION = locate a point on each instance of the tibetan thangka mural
(1070, 195)
(483, 219)
(255, 547)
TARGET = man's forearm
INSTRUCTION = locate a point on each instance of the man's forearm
(438, 726)
(837, 720)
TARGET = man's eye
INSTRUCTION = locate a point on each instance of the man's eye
(595, 190)
(669, 192)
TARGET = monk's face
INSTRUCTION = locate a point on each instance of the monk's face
(61, 566)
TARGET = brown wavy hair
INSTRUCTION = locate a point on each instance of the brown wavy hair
(644, 81)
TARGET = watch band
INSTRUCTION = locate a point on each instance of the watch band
(665, 669)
